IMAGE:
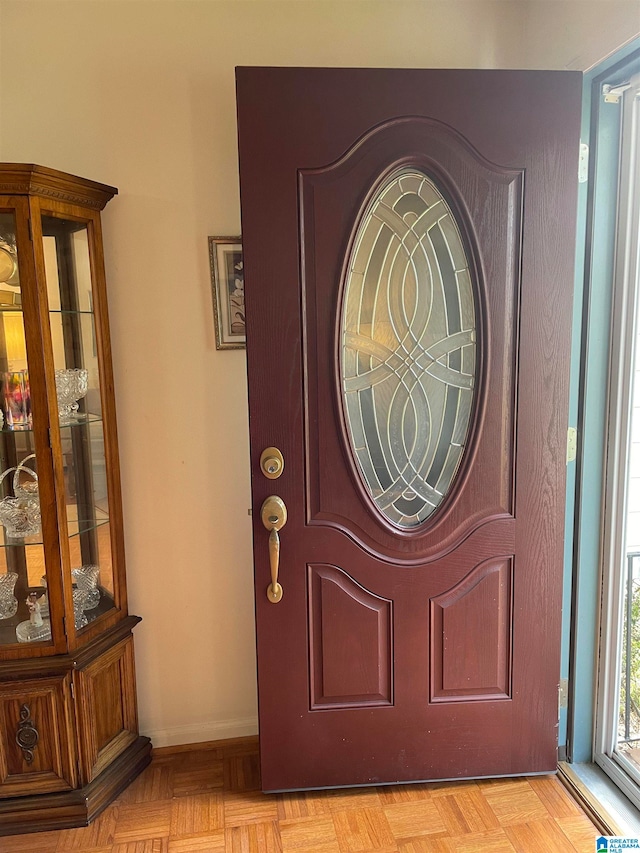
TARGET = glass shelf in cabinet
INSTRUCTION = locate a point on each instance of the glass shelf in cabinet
(75, 527)
(68, 311)
(78, 420)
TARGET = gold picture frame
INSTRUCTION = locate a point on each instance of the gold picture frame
(227, 283)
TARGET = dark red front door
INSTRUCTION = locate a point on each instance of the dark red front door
(408, 240)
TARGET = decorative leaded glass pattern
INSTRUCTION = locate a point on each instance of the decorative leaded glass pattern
(408, 355)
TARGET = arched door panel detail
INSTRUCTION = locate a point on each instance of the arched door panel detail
(460, 180)
(350, 641)
(471, 626)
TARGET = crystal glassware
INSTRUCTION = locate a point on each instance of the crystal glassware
(86, 595)
(82, 596)
(71, 385)
(20, 514)
(26, 487)
(16, 395)
(86, 579)
(79, 606)
(8, 601)
(27, 632)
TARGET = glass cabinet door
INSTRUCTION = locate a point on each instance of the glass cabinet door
(67, 258)
(24, 613)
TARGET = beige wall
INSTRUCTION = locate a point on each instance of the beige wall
(141, 95)
(576, 34)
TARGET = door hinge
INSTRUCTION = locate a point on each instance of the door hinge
(73, 691)
(583, 163)
(563, 693)
(613, 94)
(30, 229)
(572, 444)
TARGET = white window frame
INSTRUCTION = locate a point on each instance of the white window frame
(623, 338)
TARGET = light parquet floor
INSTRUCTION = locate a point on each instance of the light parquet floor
(207, 800)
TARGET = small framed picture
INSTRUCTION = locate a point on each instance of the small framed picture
(227, 280)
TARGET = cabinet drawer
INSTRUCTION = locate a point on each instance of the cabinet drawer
(36, 753)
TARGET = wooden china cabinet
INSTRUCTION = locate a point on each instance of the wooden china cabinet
(69, 737)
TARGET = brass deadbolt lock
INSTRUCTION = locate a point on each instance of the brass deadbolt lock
(271, 463)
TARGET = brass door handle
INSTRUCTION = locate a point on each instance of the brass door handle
(274, 518)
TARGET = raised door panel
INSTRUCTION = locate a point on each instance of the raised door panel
(471, 628)
(107, 712)
(350, 642)
(36, 753)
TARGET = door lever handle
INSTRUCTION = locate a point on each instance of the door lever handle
(274, 518)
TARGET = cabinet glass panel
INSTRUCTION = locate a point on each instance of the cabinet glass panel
(23, 604)
(75, 355)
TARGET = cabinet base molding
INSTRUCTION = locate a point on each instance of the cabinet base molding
(75, 808)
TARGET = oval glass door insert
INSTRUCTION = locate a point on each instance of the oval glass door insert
(408, 351)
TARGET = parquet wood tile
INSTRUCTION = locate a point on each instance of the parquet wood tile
(154, 783)
(236, 746)
(515, 802)
(198, 759)
(188, 781)
(39, 842)
(196, 772)
(302, 804)
(253, 838)
(556, 798)
(579, 830)
(539, 835)
(442, 789)
(425, 844)
(211, 843)
(309, 834)
(197, 815)
(206, 800)
(364, 830)
(494, 841)
(149, 845)
(142, 822)
(62, 849)
(417, 818)
(353, 798)
(318, 847)
(241, 772)
(403, 793)
(252, 807)
(466, 811)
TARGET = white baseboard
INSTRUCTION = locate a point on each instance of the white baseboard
(200, 733)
